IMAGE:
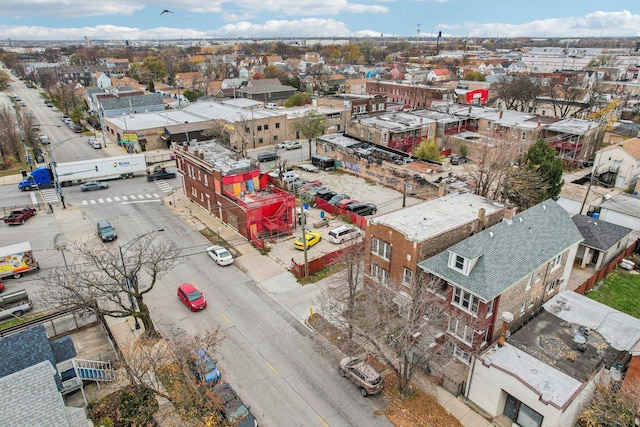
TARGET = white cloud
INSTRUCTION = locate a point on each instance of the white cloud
(596, 24)
(311, 27)
(100, 32)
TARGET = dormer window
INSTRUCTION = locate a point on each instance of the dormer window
(459, 263)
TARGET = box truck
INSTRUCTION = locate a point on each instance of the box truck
(85, 170)
(17, 259)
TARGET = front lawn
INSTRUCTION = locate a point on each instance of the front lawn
(620, 289)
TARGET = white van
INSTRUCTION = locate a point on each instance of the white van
(343, 234)
(270, 106)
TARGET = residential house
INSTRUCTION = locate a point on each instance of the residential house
(544, 374)
(514, 266)
(620, 131)
(191, 80)
(603, 241)
(619, 165)
(84, 75)
(439, 75)
(233, 189)
(30, 397)
(117, 106)
(353, 106)
(102, 80)
(117, 67)
(623, 210)
(575, 140)
(579, 199)
(266, 90)
(401, 131)
(396, 242)
(415, 96)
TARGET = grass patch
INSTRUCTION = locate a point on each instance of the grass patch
(215, 239)
(19, 321)
(325, 272)
(620, 289)
(13, 169)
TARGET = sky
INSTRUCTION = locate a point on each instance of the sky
(197, 19)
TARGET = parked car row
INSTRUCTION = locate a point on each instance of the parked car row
(344, 201)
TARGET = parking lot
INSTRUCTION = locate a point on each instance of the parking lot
(386, 199)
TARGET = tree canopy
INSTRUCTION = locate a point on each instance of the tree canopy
(541, 157)
(428, 150)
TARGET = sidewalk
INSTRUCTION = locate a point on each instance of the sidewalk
(282, 287)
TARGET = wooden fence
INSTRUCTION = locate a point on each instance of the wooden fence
(317, 264)
(591, 282)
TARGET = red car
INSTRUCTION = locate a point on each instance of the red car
(344, 202)
(191, 297)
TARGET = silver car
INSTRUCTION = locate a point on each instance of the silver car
(93, 185)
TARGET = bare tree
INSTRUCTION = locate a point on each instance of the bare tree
(166, 368)
(112, 283)
(518, 93)
(613, 406)
(311, 125)
(393, 325)
(10, 141)
(491, 165)
(524, 188)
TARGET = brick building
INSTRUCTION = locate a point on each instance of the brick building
(396, 242)
(232, 189)
(514, 266)
(416, 96)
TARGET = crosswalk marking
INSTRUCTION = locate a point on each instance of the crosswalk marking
(147, 197)
(124, 198)
(116, 198)
(132, 197)
(93, 202)
(108, 199)
(50, 195)
(155, 195)
(84, 202)
(164, 186)
(140, 196)
(34, 199)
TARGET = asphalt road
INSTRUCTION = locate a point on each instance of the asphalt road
(277, 365)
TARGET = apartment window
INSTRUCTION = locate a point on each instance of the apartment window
(379, 274)
(373, 107)
(407, 277)
(463, 356)
(259, 128)
(266, 127)
(247, 130)
(523, 307)
(538, 276)
(370, 136)
(194, 192)
(528, 283)
(461, 330)
(524, 136)
(556, 262)
(490, 308)
(552, 286)
(260, 140)
(206, 180)
(277, 125)
(275, 137)
(465, 301)
(380, 248)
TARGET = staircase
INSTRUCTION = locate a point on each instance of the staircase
(93, 370)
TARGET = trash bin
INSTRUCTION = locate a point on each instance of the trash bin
(321, 214)
(24, 173)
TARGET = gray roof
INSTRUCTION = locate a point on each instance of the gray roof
(23, 349)
(266, 85)
(508, 251)
(30, 397)
(599, 234)
(623, 203)
(134, 101)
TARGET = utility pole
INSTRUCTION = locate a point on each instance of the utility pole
(404, 195)
(303, 223)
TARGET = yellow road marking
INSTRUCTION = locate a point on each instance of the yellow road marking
(272, 368)
(225, 318)
(322, 421)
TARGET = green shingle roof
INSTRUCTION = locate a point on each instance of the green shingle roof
(508, 251)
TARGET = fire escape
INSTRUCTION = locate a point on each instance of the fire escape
(567, 147)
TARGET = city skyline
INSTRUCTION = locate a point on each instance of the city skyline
(196, 19)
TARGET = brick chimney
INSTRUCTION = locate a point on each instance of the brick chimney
(506, 318)
(510, 212)
(501, 113)
(482, 220)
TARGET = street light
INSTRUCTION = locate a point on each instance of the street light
(56, 182)
(128, 280)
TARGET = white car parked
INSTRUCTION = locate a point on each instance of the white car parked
(290, 145)
(220, 255)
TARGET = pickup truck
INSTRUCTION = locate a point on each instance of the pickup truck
(14, 304)
(18, 216)
(160, 173)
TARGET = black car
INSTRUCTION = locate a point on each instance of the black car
(161, 175)
(456, 160)
(267, 156)
(362, 209)
(325, 194)
(233, 410)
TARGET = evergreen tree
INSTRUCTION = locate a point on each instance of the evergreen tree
(541, 158)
